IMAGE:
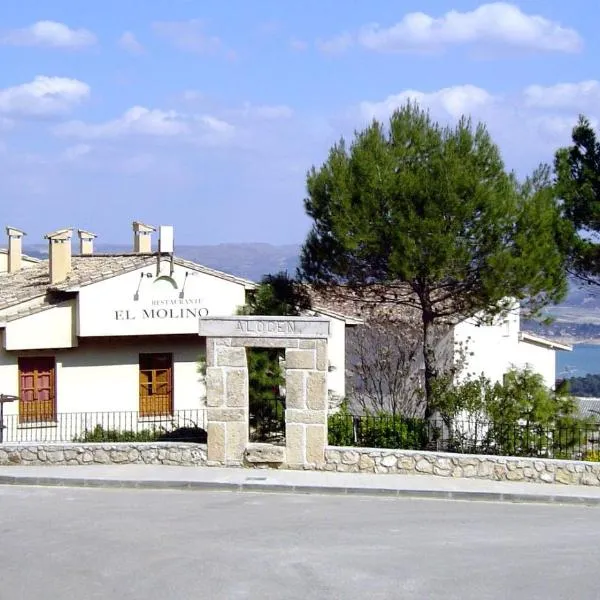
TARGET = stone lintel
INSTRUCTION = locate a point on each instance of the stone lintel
(265, 327)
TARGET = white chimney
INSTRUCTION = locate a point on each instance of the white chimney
(165, 239)
(86, 242)
(15, 237)
(142, 238)
(59, 252)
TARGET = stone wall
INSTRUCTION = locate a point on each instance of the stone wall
(164, 453)
(495, 468)
(343, 460)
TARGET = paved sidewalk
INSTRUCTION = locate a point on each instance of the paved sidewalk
(314, 482)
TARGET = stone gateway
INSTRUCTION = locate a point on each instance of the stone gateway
(227, 389)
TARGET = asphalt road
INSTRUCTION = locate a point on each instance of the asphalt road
(60, 543)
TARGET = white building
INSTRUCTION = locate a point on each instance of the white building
(494, 349)
(114, 332)
(106, 333)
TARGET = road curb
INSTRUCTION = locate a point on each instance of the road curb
(224, 486)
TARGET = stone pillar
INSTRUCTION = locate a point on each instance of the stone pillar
(306, 403)
(227, 401)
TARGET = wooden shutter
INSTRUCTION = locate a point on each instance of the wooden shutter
(37, 389)
(156, 384)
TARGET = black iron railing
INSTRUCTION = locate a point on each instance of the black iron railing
(473, 436)
(119, 426)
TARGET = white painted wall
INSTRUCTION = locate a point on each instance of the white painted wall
(336, 350)
(52, 328)
(490, 349)
(112, 329)
(493, 350)
(102, 376)
(539, 359)
(110, 307)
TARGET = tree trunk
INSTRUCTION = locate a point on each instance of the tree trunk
(429, 361)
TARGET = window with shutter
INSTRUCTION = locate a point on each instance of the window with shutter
(156, 384)
(37, 389)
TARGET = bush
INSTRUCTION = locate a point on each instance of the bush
(592, 456)
(99, 434)
(340, 427)
(381, 430)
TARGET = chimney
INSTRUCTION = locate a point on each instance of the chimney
(15, 237)
(59, 252)
(142, 238)
(165, 239)
(86, 242)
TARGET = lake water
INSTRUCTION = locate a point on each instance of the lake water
(584, 359)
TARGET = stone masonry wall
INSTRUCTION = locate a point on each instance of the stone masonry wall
(164, 453)
(344, 460)
(495, 468)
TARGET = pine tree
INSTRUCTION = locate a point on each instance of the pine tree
(429, 216)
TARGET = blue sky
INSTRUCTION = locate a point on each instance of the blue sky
(206, 115)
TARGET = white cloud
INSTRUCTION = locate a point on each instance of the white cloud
(298, 45)
(130, 43)
(580, 96)
(138, 120)
(215, 125)
(191, 36)
(528, 124)
(497, 24)
(51, 34)
(452, 101)
(6, 124)
(43, 97)
(264, 112)
(73, 153)
(336, 45)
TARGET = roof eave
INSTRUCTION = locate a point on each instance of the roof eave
(540, 341)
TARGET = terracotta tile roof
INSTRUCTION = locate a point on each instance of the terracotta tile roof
(34, 282)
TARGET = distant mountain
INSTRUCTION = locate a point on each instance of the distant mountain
(251, 261)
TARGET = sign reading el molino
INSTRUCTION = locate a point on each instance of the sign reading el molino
(180, 308)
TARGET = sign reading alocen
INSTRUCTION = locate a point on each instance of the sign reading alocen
(273, 327)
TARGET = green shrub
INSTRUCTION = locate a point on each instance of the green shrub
(99, 434)
(340, 427)
(592, 456)
(377, 431)
(392, 431)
